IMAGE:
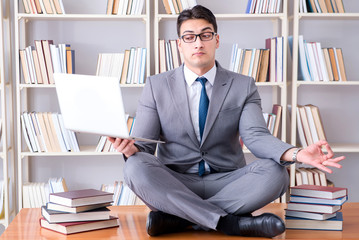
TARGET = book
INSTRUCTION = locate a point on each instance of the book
(335, 223)
(167, 6)
(341, 64)
(329, 6)
(340, 6)
(307, 207)
(305, 125)
(312, 127)
(300, 128)
(81, 197)
(318, 121)
(42, 63)
(125, 67)
(333, 64)
(301, 199)
(53, 216)
(75, 227)
(309, 215)
(319, 191)
(303, 69)
(263, 69)
(48, 60)
(327, 64)
(24, 66)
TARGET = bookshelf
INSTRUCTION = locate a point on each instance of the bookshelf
(332, 25)
(90, 31)
(6, 150)
(235, 18)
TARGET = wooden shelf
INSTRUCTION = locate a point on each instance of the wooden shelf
(72, 17)
(22, 86)
(345, 147)
(271, 84)
(241, 16)
(329, 16)
(331, 83)
(84, 151)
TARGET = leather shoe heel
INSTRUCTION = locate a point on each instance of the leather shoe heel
(265, 225)
(160, 223)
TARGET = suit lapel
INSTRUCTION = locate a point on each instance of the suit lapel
(221, 86)
(177, 88)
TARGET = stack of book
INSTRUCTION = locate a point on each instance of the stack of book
(316, 207)
(273, 119)
(129, 66)
(46, 132)
(310, 125)
(43, 6)
(264, 65)
(122, 194)
(177, 6)
(311, 176)
(321, 6)
(169, 55)
(250, 62)
(319, 64)
(40, 62)
(78, 211)
(263, 6)
(36, 194)
(125, 7)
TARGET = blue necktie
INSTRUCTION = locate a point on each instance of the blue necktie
(202, 113)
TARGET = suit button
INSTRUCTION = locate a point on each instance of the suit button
(203, 153)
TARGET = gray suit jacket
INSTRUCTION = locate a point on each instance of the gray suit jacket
(234, 110)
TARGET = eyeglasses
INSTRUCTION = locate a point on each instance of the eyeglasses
(205, 36)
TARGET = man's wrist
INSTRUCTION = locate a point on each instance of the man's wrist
(295, 155)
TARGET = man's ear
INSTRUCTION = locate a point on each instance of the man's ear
(179, 45)
(217, 41)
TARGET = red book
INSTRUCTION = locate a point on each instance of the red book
(75, 227)
(319, 191)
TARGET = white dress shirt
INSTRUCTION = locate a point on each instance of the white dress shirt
(194, 89)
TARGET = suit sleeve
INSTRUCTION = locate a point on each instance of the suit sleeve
(147, 123)
(254, 132)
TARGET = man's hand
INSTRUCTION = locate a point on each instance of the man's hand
(125, 146)
(313, 155)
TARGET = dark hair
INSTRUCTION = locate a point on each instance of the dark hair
(197, 12)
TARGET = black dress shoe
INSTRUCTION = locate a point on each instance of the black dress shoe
(265, 225)
(160, 223)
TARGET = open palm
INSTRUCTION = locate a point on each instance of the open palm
(313, 155)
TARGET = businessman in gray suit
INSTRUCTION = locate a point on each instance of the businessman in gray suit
(199, 175)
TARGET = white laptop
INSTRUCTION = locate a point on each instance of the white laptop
(93, 104)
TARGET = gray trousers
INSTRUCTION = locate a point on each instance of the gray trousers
(203, 200)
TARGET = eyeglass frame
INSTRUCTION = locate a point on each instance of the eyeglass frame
(198, 35)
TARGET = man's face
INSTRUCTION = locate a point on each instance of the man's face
(199, 56)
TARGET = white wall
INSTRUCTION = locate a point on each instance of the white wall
(338, 105)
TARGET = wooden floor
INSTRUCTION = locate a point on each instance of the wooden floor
(133, 221)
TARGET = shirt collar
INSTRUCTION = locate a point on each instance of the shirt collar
(191, 77)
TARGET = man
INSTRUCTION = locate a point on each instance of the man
(199, 176)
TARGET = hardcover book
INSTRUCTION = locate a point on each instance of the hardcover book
(300, 199)
(334, 224)
(62, 208)
(81, 197)
(75, 227)
(59, 217)
(319, 191)
(309, 215)
(307, 207)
